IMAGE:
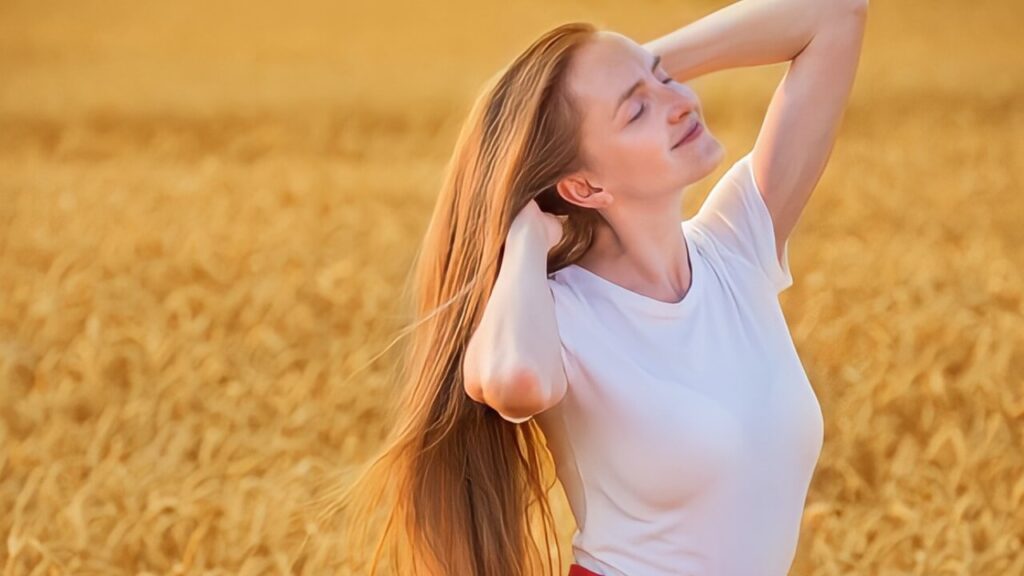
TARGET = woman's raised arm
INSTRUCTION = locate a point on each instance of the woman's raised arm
(823, 40)
(513, 361)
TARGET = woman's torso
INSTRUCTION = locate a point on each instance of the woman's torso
(689, 431)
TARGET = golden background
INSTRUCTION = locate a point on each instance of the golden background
(208, 210)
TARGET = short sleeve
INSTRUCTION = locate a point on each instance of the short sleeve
(735, 217)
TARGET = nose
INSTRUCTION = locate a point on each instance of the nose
(681, 107)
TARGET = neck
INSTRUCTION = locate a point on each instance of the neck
(643, 250)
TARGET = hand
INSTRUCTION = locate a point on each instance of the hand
(550, 224)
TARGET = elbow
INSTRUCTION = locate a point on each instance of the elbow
(858, 8)
(840, 16)
(518, 396)
(516, 391)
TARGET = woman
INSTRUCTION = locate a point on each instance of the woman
(563, 309)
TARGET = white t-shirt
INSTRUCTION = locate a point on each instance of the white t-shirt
(689, 431)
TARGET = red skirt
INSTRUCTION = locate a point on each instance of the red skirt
(577, 570)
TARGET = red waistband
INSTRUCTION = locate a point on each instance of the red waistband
(577, 570)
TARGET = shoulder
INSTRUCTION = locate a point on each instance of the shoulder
(573, 312)
(570, 303)
(563, 286)
(738, 227)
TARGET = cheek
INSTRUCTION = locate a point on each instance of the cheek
(645, 156)
(641, 156)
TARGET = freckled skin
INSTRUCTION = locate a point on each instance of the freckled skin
(634, 159)
(631, 175)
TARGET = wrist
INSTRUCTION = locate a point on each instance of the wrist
(528, 234)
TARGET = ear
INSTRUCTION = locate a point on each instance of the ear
(577, 189)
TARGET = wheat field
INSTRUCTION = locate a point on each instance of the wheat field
(208, 211)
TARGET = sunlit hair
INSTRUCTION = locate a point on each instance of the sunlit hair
(458, 488)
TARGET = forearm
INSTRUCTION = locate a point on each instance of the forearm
(745, 33)
(514, 353)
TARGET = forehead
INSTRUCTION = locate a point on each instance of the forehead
(604, 68)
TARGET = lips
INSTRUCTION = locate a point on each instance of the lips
(688, 133)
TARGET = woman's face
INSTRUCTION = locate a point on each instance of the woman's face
(630, 137)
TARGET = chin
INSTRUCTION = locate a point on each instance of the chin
(700, 165)
(711, 156)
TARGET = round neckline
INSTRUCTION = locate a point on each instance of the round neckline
(646, 303)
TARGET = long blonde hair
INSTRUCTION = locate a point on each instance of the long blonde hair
(459, 481)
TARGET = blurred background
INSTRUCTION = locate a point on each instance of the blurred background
(208, 211)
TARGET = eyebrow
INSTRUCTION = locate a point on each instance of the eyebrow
(633, 88)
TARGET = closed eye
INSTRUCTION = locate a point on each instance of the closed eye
(642, 107)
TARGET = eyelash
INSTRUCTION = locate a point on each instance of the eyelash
(642, 107)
